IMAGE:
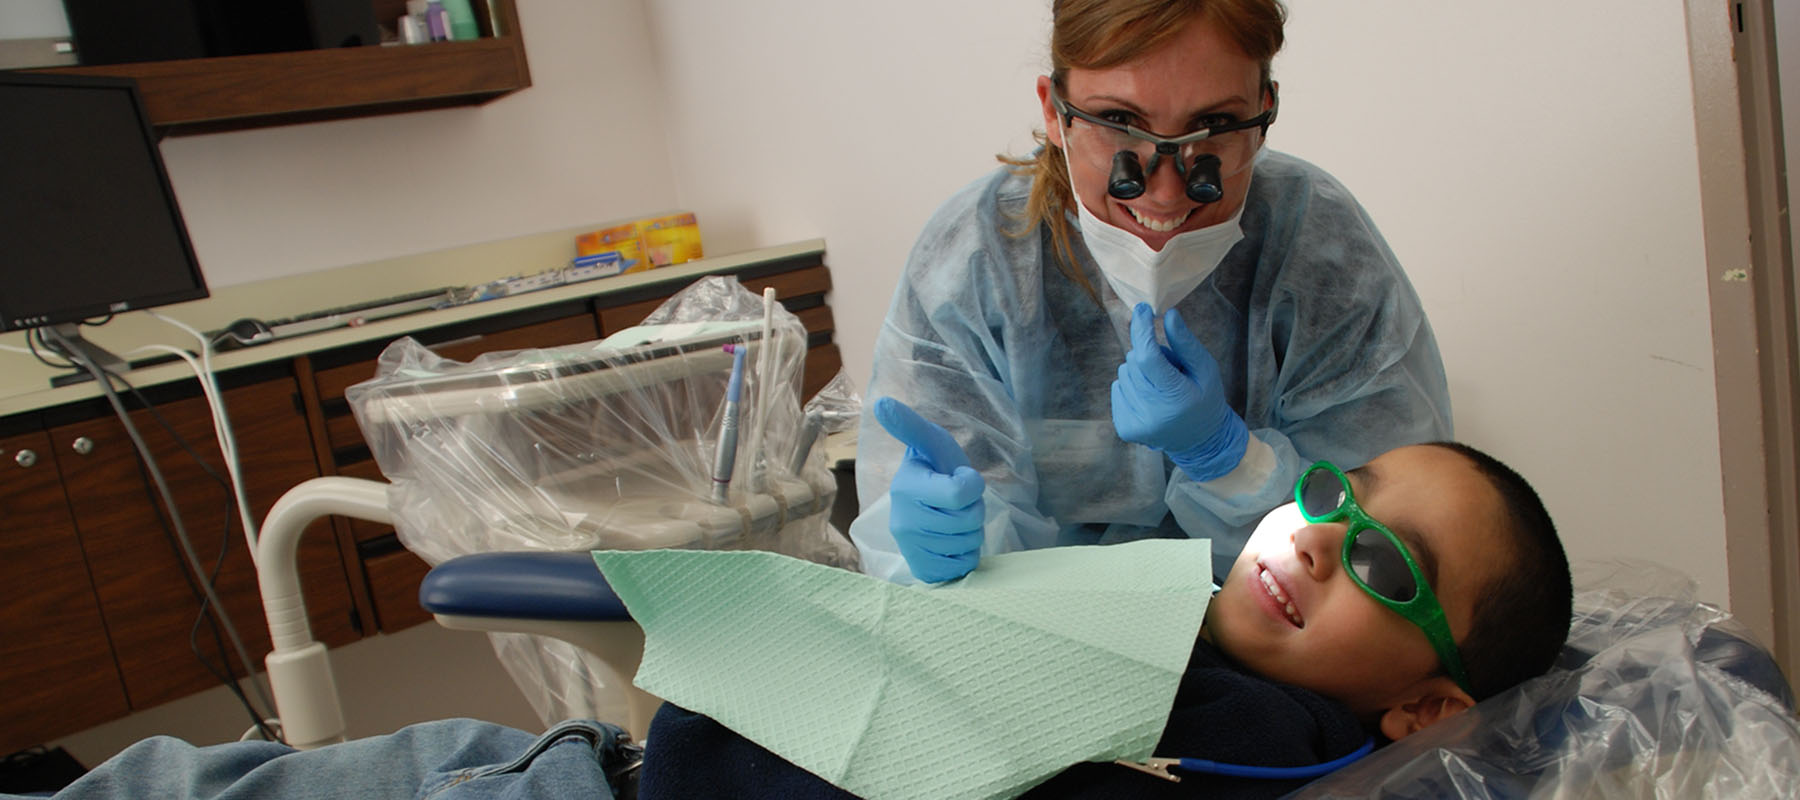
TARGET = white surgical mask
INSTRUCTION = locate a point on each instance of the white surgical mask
(1138, 274)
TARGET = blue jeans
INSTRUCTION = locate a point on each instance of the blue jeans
(454, 759)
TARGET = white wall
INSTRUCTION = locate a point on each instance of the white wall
(1545, 200)
(1532, 163)
(30, 19)
(586, 143)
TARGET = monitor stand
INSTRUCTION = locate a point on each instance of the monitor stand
(65, 340)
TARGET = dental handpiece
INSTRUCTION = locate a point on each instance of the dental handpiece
(728, 427)
(809, 433)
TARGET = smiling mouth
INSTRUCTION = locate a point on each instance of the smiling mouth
(1159, 225)
(1274, 589)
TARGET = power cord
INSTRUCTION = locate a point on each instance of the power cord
(104, 380)
(235, 487)
(223, 672)
(35, 338)
(215, 400)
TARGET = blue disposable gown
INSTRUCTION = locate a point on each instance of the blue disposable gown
(1322, 344)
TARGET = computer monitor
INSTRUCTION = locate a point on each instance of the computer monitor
(88, 221)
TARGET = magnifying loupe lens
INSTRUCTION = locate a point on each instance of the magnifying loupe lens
(1127, 178)
(1203, 182)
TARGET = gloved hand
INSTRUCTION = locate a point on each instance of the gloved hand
(1169, 398)
(936, 501)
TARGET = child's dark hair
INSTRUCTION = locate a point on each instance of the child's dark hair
(1521, 618)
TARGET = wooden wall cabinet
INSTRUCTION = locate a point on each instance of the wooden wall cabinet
(54, 655)
(205, 95)
(139, 570)
(101, 611)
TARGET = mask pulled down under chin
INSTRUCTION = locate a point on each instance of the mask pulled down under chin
(1161, 278)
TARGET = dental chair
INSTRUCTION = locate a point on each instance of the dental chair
(1653, 695)
(503, 473)
(686, 431)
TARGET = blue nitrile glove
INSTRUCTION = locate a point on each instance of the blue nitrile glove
(936, 497)
(1170, 398)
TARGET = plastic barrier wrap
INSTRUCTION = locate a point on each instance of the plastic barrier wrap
(609, 445)
(1655, 695)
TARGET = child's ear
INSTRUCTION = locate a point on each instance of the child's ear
(1437, 698)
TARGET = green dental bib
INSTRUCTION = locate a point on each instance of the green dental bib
(978, 688)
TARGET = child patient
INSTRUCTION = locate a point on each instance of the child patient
(1383, 600)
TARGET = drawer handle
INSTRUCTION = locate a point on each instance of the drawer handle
(25, 458)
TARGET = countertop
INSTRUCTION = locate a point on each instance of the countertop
(25, 383)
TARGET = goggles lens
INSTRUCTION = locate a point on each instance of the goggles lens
(1380, 567)
(1377, 561)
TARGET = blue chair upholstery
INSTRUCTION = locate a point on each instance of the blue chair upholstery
(522, 585)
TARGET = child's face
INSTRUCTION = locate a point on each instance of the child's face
(1338, 640)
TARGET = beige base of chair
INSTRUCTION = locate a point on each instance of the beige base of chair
(619, 645)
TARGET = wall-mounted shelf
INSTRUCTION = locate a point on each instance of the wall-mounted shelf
(206, 95)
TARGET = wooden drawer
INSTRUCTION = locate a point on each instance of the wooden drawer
(822, 363)
(788, 287)
(394, 579)
(568, 330)
(55, 659)
(363, 530)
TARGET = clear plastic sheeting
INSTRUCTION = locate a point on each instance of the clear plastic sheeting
(562, 681)
(614, 444)
(1655, 695)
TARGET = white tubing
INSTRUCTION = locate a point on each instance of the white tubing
(300, 677)
(765, 384)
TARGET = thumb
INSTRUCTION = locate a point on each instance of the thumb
(1143, 328)
(927, 438)
(1191, 356)
(1147, 358)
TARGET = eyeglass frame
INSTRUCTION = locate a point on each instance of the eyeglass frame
(1423, 610)
(1166, 146)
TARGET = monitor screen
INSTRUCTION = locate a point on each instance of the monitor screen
(88, 221)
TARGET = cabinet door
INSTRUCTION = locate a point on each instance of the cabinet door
(55, 662)
(147, 592)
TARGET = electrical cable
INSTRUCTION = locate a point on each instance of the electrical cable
(227, 438)
(233, 487)
(103, 380)
(36, 337)
(209, 386)
(223, 675)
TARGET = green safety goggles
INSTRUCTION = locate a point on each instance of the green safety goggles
(1378, 561)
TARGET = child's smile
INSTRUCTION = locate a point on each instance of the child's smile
(1290, 612)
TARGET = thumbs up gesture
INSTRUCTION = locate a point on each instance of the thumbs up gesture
(937, 508)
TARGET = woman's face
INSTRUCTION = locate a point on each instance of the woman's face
(1193, 81)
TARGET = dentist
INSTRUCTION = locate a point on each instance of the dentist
(1149, 326)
